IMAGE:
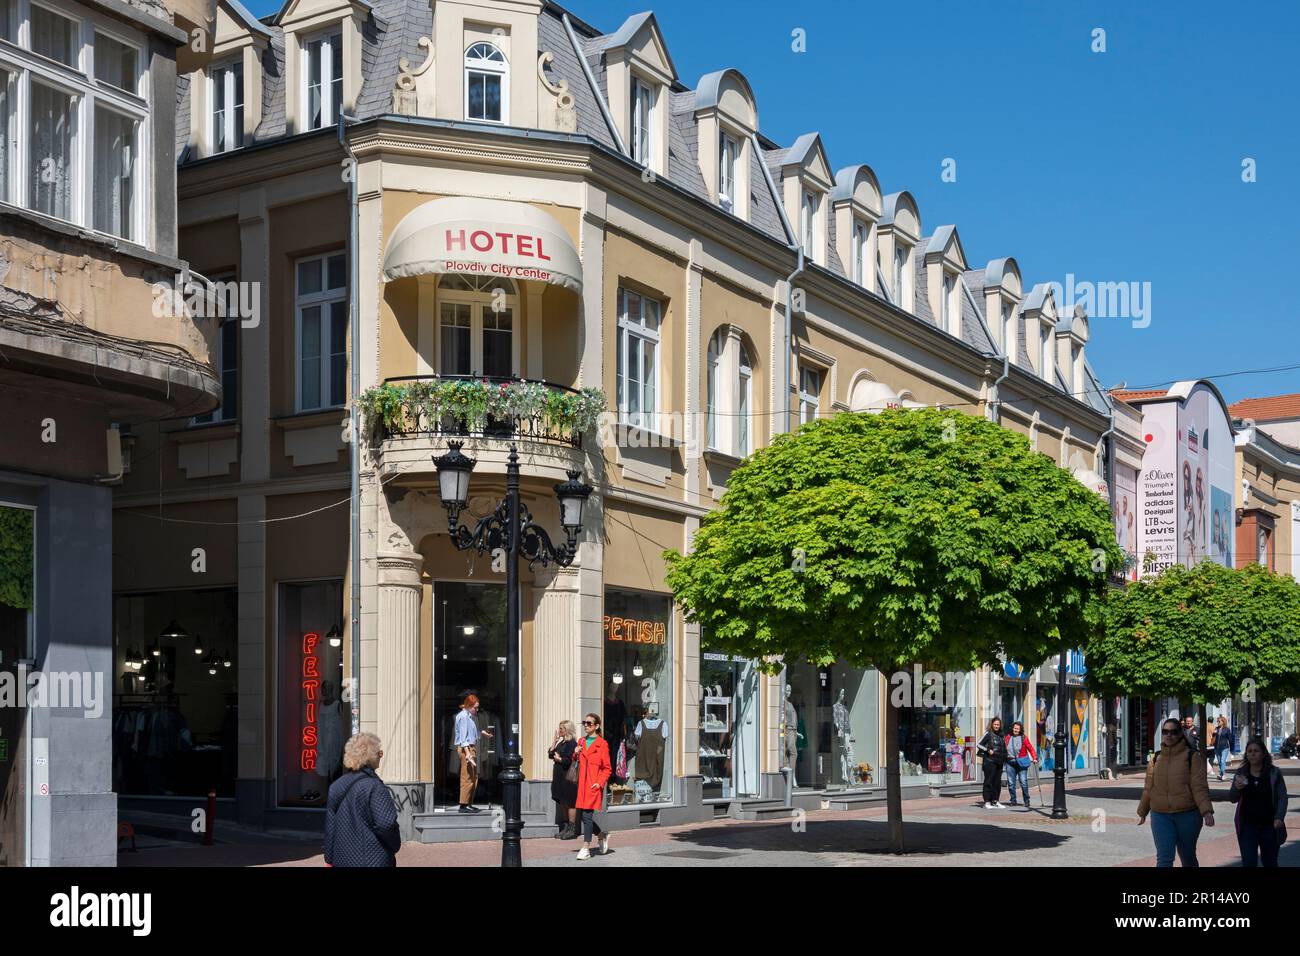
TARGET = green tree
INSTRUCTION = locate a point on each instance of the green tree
(1200, 634)
(912, 536)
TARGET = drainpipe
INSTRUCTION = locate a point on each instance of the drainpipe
(997, 386)
(797, 249)
(354, 446)
(595, 90)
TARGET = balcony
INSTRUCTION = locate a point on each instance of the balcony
(407, 417)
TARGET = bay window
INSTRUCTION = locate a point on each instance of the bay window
(638, 355)
(226, 94)
(321, 308)
(74, 117)
(323, 80)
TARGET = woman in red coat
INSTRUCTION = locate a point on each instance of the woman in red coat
(592, 755)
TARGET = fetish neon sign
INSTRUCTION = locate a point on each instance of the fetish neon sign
(310, 687)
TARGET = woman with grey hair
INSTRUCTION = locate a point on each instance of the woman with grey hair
(360, 819)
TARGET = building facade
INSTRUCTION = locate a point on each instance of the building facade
(87, 237)
(548, 220)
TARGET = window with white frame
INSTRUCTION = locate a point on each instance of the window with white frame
(476, 325)
(744, 402)
(728, 171)
(643, 102)
(74, 116)
(900, 275)
(321, 309)
(1008, 330)
(810, 389)
(638, 359)
(487, 78)
(322, 80)
(1046, 366)
(861, 260)
(808, 224)
(717, 344)
(947, 304)
(226, 96)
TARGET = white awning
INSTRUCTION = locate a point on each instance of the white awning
(487, 237)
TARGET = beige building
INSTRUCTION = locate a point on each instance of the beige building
(538, 201)
(90, 338)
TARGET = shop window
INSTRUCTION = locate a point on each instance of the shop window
(314, 721)
(322, 313)
(487, 78)
(638, 359)
(638, 705)
(176, 706)
(937, 726)
(830, 726)
(729, 727)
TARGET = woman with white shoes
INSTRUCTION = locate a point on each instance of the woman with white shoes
(592, 754)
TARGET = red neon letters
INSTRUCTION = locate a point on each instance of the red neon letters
(310, 685)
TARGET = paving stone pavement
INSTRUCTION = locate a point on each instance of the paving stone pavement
(942, 831)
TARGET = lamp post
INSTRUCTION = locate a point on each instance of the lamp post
(1059, 812)
(510, 527)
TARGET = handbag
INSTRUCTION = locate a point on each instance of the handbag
(571, 775)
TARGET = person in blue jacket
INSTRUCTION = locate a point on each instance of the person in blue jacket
(360, 818)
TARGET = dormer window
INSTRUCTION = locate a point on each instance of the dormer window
(487, 77)
(946, 309)
(861, 253)
(323, 80)
(900, 273)
(226, 94)
(808, 224)
(1008, 331)
(643, 101)
(728, 170)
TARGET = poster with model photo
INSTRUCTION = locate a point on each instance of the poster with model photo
(1193, 484)
(1126, 517)
(1222, 526)
(1157, 521)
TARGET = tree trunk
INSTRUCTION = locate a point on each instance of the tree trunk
(893, 778)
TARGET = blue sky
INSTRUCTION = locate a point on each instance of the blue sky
(1122, 166)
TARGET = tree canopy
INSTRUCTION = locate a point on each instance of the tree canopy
(1200, 634)
(911, 535)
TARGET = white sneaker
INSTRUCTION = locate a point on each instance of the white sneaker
(604, 843)
(584, 854)
(988, 806)
(999, 805)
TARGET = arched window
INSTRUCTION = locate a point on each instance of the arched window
(476, 326)
(487, 84)
(716, 346)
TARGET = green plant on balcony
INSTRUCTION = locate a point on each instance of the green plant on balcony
(469, 403)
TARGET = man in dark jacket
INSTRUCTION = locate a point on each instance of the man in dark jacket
(360, 819)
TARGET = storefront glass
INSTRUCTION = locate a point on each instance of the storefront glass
(638, 642)
(469, 633)
(17, 586)
(834, 711)
(729, 722)
(938, 725)
(176, 701)
(314, 720)
(1078, 738)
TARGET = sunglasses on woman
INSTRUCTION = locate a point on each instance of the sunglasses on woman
(589, 723)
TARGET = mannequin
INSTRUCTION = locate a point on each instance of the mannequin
(840, 716)
(789, 736)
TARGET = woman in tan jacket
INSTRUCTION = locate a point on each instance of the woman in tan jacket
(1177, 795)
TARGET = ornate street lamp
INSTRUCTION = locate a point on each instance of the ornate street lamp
(510, 527)
(1059, 811)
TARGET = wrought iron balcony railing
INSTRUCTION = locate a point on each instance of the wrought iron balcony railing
(480, 406)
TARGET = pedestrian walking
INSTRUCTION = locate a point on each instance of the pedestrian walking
(1020, 757)
(1176, 794)
(360, 819)
(1259, 792)
(1222, 745)
(1193, 735)
(993, 749)
(466, 744)
(564, 780)
(593, 773)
